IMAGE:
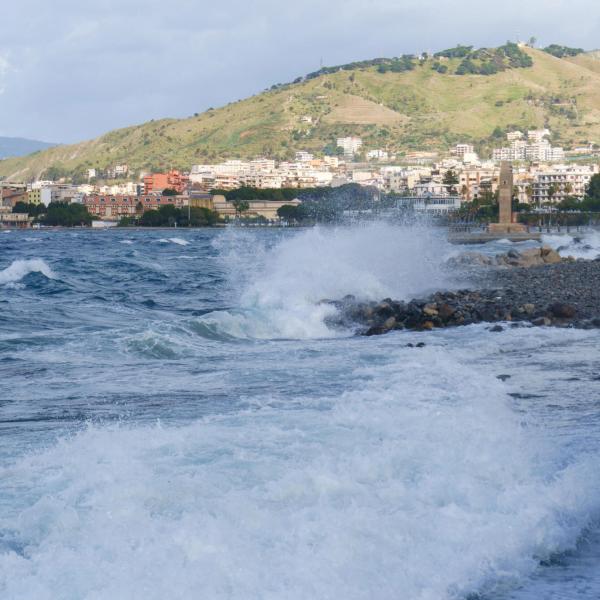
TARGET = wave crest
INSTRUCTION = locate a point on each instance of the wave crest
(21, 268)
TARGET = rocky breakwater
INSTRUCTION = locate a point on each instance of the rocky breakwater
(534, 287)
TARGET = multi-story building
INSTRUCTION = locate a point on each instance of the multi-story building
(401, 179)
(377, 154)
(554, 184)
(536, 148)
(60, 192)
(114, 207)
(34, 196)
(461, 149)
(474, 181)
(535, 136)
(157, 182)
(350, 145)
(303, 156)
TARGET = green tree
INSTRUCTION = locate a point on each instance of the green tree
(593, 189)
(33, 210)
(291, 213)
(570, 203)
(241, 206)
(450, 180)
(66, 215)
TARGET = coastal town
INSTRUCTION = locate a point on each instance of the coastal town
(544, 176)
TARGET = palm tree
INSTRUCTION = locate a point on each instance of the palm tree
(552, 190)
(529, 193)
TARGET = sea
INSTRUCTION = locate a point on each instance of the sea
(179, 421)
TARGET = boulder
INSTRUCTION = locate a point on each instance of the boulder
(430, 310)
(446, 311)
(561, 310)
(549, 256)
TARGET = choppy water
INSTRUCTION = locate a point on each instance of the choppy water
(177, 421)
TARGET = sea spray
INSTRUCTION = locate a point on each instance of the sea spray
(293, 468)
(585, 245)
(285, 283)
(427, 491)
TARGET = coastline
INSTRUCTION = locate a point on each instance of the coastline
(561, 294)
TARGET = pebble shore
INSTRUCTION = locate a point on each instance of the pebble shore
(561, 294)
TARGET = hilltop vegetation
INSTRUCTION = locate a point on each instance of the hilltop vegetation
(562, 51)
(398, 104)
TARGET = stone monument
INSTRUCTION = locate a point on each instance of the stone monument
(505, 192)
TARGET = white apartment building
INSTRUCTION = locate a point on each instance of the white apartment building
(350, 145)
(401, 179)
(303, 156)
(513, 136)
(544, 152)
(377, 154)
(536, 148)
(59, 192)
(461, 149)
(535, 136)
(563, 180)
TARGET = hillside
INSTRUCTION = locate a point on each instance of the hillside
(427, 106)
(11, 146)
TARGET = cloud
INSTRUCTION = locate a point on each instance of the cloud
(86, 67)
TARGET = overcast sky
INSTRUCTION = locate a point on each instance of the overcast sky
(73, 69)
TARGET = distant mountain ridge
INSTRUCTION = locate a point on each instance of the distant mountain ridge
(15, 146)
(412, 102)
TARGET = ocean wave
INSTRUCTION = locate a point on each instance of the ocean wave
(174, 240)
(586, 245)
(422, 483)
(19, 269)
(179, 241)
(286, 283)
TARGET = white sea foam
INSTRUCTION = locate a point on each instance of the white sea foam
(424, 487)
(174, 240)
(586, 245)
(288, 281)
(128, 242)
(21, 268)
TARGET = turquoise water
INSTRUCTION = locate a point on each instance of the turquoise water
(178, 421)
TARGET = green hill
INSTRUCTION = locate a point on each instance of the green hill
(400, 104)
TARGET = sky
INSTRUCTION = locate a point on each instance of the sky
(73, 69)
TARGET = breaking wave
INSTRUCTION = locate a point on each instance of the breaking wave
(174, 240)
(428, 490)
(586, 245)
(286, 283)
(21, 268)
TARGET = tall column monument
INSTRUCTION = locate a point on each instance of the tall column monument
(505, 192)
